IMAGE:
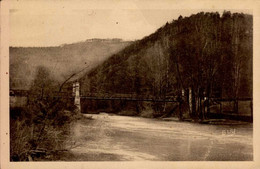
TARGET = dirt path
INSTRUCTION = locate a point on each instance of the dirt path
(114, 138)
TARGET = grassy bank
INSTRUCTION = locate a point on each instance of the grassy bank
(37, 134)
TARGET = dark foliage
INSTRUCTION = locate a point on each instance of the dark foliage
(40, 128)
(209, 53)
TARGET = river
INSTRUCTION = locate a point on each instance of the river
(122, 138)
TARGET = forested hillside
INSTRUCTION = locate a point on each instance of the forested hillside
(60, 61)
(207, 52)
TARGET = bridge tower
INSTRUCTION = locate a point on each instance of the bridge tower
(77, 95)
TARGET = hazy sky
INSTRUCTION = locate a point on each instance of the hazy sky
(52, 23)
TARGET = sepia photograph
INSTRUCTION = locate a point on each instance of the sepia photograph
(133, 83)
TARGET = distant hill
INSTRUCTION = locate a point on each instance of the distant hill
(61, 61)
(210, 53)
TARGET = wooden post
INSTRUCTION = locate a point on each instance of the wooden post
(77, 96)
(180, 99)
(190, 100)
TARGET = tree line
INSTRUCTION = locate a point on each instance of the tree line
(206, 55)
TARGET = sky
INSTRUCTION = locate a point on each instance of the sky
(57, 22)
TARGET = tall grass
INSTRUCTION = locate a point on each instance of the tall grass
(38, 132)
